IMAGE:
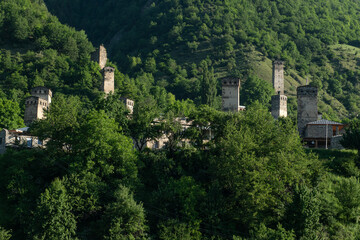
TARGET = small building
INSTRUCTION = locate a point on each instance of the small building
(18, 139)
(323, 134)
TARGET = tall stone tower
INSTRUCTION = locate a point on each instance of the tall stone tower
(37, 104)
(307, 106)
(100, 56)
(278, 77)
(108, 83)
(231, 94)
(278, 101)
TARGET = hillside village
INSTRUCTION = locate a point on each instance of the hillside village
(314, 131)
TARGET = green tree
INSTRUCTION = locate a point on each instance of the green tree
(256, 162)
(53, 218)
(351, 138)
(124, 218)
(143, 126)
(4, 234)
(256, 89)
(208, 85)
(10, 114)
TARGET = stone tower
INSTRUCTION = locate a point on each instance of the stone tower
(231, 94)
(279, 106)
(43, 93)
(34, 109)
(279, 100)
(36, 104)
(307, 106)
(100, 56)
(278, 77)
(108, 83)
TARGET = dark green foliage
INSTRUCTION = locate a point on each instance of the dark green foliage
(124, 218)
(53, 218)
(10, 114)
(254, 89)
(351, 138)
(221, 175)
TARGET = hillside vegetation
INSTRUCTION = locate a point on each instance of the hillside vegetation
(170, 39)
(252, 179)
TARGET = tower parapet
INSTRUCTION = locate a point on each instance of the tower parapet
(100, 56)
(231, 94)
(109, 80)
(278, 77)
(307, 107)
(42, 92)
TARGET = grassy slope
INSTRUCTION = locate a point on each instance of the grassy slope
(350, 59)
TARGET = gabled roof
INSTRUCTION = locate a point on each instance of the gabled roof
(324, 122)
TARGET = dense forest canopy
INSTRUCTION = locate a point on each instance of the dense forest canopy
(251, 179)
(169, 39)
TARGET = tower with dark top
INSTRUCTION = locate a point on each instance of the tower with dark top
(231, 95)
(307, 107)
(279, 100)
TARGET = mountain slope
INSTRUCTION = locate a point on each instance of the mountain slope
(177, 35)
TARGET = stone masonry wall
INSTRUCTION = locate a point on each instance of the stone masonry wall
(278, 77)
(230, 94)
(307, 107)
(279, 106)
(109, 81)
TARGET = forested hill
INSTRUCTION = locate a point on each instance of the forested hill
(236, 37)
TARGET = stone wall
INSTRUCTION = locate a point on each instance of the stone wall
(34, 109)
(109, 80)
(3, 139)
(307, 107)
(231, 94)
(318, 131)
(279, 106)
(335, 142)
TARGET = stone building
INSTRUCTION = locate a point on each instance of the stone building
(279, 100)
(231, 95)
(323, 134)
(100, 56)
(19, 138)
(129, 104)
(37, 104)
(307, 107)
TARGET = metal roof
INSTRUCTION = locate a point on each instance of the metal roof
(324, 122)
